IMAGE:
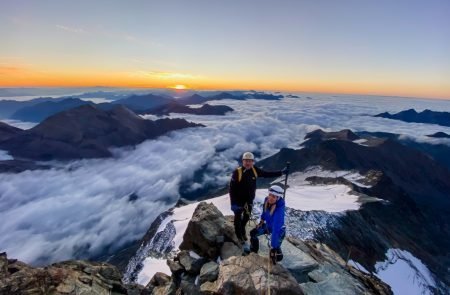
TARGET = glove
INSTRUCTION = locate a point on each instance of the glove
(285, 170)
(236, 208)
(260, 224)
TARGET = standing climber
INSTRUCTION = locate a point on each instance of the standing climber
(272, 222)
(242, 191)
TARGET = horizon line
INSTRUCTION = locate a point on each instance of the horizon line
(223, 89)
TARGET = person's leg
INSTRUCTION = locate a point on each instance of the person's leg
(245, 219)
(238, 223)
(254, 241)
(279, 253)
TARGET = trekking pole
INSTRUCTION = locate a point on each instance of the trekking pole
(285, 180)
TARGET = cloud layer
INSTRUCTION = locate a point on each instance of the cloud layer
(82, 207)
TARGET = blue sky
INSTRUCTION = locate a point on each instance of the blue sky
(376, 47)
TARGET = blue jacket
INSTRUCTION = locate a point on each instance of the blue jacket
(275, 222)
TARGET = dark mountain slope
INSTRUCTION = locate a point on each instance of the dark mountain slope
(87, 132)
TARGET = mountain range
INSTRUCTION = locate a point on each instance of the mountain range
(426, 116)
(36, 110)
(84, 132)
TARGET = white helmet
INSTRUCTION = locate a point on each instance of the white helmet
(276, 190)
(248, 156)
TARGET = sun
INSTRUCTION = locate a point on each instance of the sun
(179, 87)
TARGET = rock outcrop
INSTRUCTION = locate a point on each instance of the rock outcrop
(69, 277)
(308, 268)
(208, 231)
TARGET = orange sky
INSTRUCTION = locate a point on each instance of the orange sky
(20, 76)
(383, 47)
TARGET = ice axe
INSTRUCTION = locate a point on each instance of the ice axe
(285, 179)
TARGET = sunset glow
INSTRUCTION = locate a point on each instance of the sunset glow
(152, 44)
(178, 87)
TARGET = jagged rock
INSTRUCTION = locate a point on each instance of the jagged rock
(332, 284)
(135, 289)
(331, 276)
(3, 265)
(306, 268)
(209, 272)
(174, 266)
(206, 226)
(229, 249)
(186, 260)
(297, 261)
(249, 275)
(159, 279)
(159, 284)
(69, 277)
(208, 288)
(190, 264)
(190, 288)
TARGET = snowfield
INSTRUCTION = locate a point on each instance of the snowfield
(405, 273)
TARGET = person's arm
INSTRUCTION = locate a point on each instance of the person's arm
(277, 224)
(264, 173)
(261, 220)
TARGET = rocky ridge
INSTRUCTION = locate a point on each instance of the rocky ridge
(210, 262)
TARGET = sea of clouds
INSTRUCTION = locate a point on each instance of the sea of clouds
(79, 209)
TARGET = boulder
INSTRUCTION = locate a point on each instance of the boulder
(159, 284)
(208, 288)
(159, 279)
(191, 265)
(229, 249)
(331, 275)
(249, 275)
(209, 272)
(206, 231)
(175, 267)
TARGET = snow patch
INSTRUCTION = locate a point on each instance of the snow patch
(358, 266)
(361, 141)
(152, 266)
(329, 198)
(405, 273)
(299, 178)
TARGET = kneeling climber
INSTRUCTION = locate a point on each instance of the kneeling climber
(272, 222)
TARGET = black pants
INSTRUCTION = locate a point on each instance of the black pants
(262, 230)
(241, 218)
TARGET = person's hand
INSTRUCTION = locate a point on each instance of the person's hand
(285, 170)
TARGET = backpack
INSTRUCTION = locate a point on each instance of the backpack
(240, 171)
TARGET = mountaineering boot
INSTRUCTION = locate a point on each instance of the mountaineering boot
(246, 249)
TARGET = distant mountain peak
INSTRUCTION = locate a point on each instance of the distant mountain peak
(87, 132)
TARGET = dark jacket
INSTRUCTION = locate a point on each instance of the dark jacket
(275, 221)
(243, 192)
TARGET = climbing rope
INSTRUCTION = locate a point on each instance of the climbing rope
(267, 235)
